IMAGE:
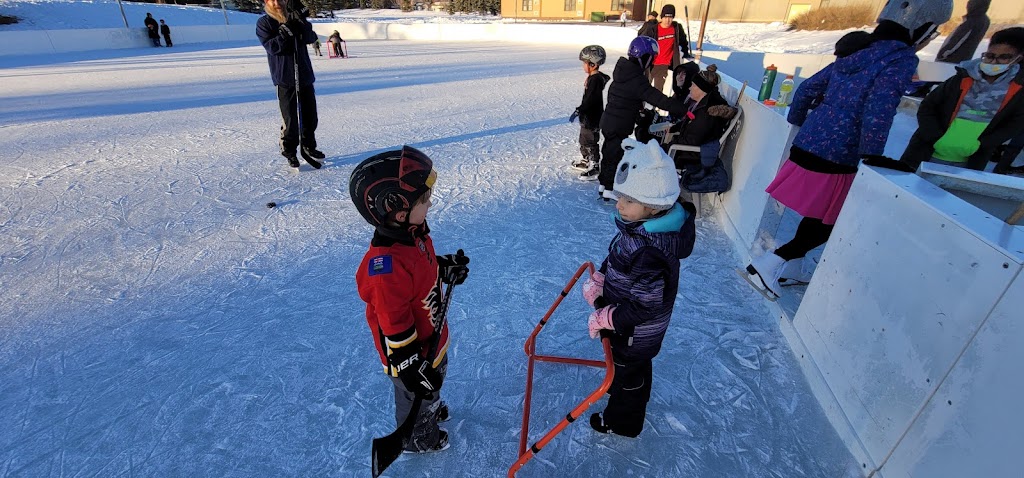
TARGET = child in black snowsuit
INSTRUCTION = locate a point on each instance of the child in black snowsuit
(589, 111)
(626, 96)
(166, 32)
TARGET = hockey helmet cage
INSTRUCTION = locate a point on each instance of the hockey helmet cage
(594, 54)
(390, 182)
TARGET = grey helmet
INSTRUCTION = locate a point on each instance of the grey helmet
(594, 54)
(920, 17)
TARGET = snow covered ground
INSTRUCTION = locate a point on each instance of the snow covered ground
(156, 319)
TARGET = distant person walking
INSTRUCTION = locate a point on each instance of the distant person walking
(961, 44)
(316, 47)
(624, 17)
(166, 32)
(151, 29)
(335, 43)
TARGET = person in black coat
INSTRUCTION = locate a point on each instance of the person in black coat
(626, 96)
(151, 29)
(285, 37)
(166, 32)
(961, 44)
(650, 27)
(707, 116)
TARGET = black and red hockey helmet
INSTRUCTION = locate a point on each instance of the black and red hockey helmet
(390, 182)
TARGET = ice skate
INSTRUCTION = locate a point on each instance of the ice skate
(763, 275)
(581, 165)
(590, 174)
(292, 160)
(608, 195)
(795, 272)
(441, 445)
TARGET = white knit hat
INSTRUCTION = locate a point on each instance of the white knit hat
(647, 175)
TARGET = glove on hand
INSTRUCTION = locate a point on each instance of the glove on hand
(600, 319)
(286, 31)
(575, 114)
(416, 373)
(452, 267)
(593, 287)
(886, 162)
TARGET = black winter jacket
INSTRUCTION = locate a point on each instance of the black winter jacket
(710, 118)
(961, 44)
(626, 96)
(592, 106)
(281, 49)
(938, 109)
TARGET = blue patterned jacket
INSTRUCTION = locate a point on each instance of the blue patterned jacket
(641, 279)
(859, 95)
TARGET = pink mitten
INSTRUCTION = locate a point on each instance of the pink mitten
(600, 319)
(593, 287)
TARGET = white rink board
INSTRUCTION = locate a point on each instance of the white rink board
(883, 354)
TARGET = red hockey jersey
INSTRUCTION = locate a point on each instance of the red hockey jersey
(401, 287)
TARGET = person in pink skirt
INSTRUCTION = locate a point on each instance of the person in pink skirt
(854, 100)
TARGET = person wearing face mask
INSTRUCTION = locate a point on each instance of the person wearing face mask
(964, 120)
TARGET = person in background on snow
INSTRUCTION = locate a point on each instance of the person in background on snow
(316, 46)
(859, 94)
(400, 280)
(590, 109)
(672, 46)
(335, 42)
(635, 289)
(152, 30)
(623, 17)
(166, 32)
(964, 120)
(285, 35)
(963, 42)
(626, 96)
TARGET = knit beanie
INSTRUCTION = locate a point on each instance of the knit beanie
(668, 10)
(708, 79)
(647, 175)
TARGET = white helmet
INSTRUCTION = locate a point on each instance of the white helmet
(920, 17)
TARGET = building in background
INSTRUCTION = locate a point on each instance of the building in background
(1001, 12)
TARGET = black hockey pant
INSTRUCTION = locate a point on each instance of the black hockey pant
(290, 118)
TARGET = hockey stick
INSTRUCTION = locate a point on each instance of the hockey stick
(298, 95)
(686, 14)
(384, 451)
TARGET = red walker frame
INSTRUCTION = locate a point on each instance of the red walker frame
(531, 353)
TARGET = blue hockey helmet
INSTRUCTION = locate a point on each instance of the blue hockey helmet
(643, 49)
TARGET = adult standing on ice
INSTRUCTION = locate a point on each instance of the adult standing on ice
(861, 92)
(284, 33)
(152, 29)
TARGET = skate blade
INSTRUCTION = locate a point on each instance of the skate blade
(767, 293)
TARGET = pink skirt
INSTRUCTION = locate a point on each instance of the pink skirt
(811, 194)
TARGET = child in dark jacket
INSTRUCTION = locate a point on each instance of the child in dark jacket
(589, 111)
(964, 120)
(400, 280)
(627, 94)
(635, 289)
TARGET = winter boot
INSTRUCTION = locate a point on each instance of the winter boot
(590, 174)
(581, 165)
(763, 273)
(441, 445)
(292, 160)
(795, 272)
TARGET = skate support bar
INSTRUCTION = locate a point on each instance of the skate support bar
(531, 354)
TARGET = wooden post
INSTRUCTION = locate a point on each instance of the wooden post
(703, 22)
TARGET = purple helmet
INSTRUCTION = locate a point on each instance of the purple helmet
(644, 49)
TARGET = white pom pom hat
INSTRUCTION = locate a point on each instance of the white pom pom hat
(647, 175)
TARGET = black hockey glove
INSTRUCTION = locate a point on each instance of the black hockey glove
(886, 162)
(416, 373)
(574, 115)
(286, 31)
(452, 267)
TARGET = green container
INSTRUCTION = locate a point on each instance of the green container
(597, 16)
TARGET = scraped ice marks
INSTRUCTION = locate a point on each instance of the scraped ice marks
(716, 385)
(748, 357)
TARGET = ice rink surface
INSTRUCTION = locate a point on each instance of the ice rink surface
(157, 319)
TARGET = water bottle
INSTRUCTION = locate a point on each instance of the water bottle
(767, 83)
(786, 92)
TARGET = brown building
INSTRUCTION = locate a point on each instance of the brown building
(1001, 11)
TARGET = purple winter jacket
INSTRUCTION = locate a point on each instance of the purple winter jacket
(641, 279)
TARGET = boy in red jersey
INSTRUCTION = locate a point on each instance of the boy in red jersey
(400, 280)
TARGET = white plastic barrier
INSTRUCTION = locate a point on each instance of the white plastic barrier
(41, 42)
(910, 329)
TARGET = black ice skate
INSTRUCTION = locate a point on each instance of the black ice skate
(441, 445)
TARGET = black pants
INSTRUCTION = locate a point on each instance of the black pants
(810, 233)
(291, 120)
(167, 39)
(611, 154)
(590, 144)
(629, 394)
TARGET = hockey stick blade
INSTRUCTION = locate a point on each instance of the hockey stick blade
(309, 159)
(384, 451)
